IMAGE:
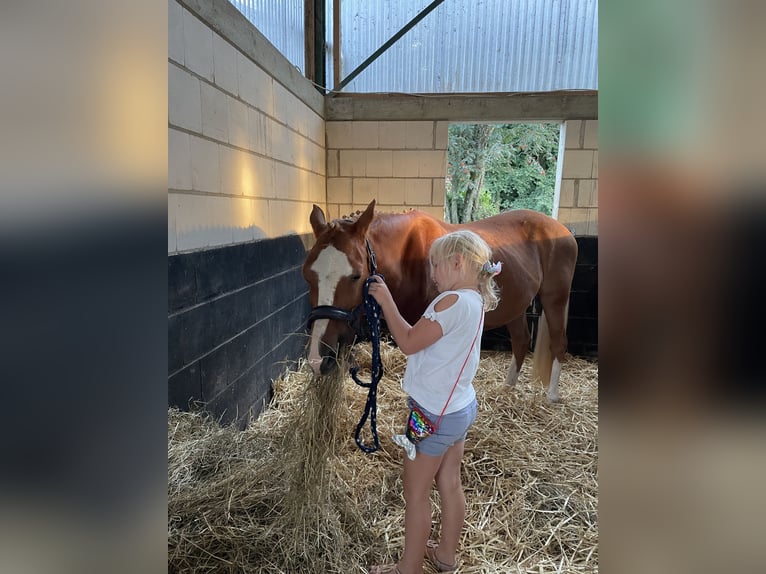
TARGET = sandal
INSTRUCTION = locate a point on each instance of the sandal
(385, 569)
(431, 547)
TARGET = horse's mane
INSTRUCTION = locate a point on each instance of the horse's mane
(351, 218)
(354, 216)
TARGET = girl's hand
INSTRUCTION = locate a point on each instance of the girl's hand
(379, 291)
(410, 339)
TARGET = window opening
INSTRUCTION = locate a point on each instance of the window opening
(493, 168)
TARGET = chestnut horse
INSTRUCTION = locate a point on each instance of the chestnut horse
(538, 255)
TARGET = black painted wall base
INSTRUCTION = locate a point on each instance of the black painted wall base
(236, 318)
(582, 328)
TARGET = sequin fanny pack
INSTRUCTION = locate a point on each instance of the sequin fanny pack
(419, 426)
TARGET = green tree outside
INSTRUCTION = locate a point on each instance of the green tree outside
(494, 168)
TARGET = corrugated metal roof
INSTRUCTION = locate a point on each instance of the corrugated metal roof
(281, 21)
(462, 46)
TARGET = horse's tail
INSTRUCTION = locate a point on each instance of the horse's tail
(542, 360)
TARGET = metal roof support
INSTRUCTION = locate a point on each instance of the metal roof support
(336, 43)
(411, 24)
(315, 25)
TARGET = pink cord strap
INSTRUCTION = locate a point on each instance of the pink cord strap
(436, 424)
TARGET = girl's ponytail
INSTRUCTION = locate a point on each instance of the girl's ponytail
(487, 286)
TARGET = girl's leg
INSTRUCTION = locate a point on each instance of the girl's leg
(452, 503)
(418, 480)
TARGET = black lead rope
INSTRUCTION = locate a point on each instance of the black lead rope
(372, 311)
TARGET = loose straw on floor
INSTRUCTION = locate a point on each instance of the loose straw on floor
(293, 494)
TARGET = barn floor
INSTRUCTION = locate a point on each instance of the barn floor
(292, 493)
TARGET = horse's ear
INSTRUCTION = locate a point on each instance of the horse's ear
(317, 220)
(364, 220)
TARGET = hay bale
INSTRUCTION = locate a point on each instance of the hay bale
(293, 493)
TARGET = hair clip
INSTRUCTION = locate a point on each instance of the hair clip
(492, 268)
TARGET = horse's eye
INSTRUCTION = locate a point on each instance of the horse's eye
(356, 277)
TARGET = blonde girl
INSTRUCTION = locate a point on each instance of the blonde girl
(443, 356)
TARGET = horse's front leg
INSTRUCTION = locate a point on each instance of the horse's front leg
(513, 373)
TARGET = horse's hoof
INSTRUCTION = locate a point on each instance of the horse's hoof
(315, 365)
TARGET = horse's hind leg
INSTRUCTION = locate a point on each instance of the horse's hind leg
(555, 315)
(520, 339)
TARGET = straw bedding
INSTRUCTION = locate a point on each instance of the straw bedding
(292, 493)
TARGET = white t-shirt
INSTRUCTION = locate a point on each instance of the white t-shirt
(432, 372)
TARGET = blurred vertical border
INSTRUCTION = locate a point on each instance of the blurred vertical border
(682, 309)
(83, 163)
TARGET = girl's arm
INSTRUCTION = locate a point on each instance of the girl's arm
(409, 338)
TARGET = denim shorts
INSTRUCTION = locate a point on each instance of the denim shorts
(453, 428)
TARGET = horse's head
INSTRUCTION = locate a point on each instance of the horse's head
(335, 269)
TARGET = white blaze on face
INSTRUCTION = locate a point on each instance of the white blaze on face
(330, 266)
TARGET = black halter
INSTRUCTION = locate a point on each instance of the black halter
(350, 316)
(372, 310)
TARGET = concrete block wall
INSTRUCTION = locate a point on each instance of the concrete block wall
(246, 161)
(578, 198)
(400, 164)
(246, 156)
